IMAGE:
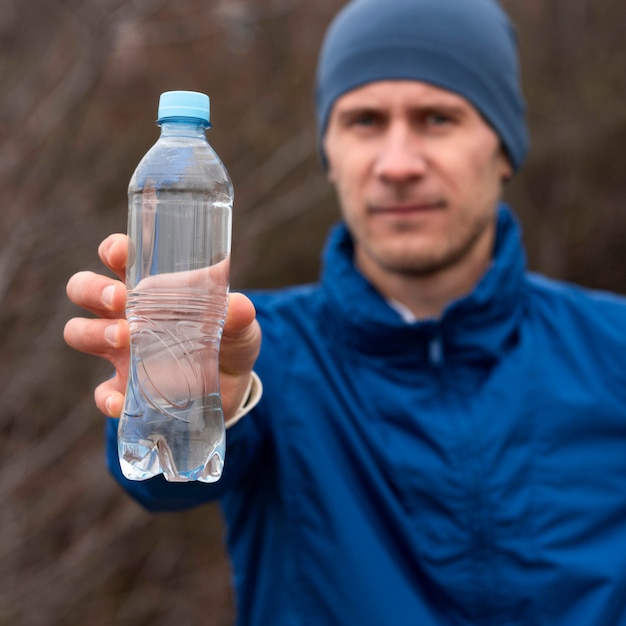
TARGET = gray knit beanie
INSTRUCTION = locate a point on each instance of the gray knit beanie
(468, 47)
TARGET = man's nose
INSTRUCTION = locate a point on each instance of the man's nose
(401, 157)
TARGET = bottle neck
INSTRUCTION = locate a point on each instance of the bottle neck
(183, 127)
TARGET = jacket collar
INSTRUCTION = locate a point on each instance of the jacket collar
(476, 327)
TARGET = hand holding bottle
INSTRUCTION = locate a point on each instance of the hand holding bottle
(107, 336)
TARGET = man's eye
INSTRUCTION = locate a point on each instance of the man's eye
(365, 120)
(437, 119)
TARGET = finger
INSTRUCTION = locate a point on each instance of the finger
(241, 339)
(99, 337)
(113, 252)
(109, 396)
(101, 295)
(241, 313)
(240, 344)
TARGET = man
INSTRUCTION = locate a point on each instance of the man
(441, 437)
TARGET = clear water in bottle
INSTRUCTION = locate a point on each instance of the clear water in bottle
(173, 416)
(179, 225)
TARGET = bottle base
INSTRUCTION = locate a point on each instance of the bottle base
(140, 462)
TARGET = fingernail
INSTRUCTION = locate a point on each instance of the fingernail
(111, 334)
(107, 295)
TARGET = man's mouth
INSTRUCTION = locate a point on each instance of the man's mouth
(406, 208)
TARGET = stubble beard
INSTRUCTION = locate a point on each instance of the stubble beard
(429, 263)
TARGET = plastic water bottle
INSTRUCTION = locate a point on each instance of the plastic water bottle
(179, 227)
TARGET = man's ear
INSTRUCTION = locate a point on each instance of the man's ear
(506, 169)
(328, 168)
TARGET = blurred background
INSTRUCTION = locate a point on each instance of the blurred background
(80, 84)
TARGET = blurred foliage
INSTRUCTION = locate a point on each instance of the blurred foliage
(81, 80)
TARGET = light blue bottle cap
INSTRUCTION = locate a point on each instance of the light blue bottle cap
(190, 104)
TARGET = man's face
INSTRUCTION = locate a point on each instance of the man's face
(418, 174)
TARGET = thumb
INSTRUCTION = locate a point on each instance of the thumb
(241, 337)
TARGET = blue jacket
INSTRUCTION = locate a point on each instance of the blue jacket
(465, 471)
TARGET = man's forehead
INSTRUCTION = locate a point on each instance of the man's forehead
(411, 93)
